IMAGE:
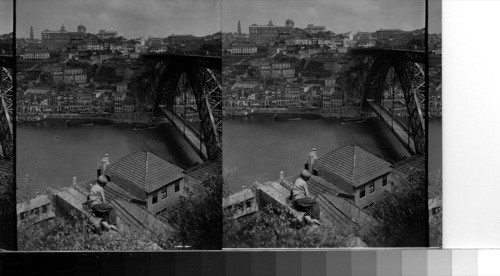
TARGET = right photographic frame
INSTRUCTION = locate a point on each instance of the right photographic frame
(332, 129)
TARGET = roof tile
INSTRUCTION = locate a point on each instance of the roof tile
(145, 170)
(352, 164)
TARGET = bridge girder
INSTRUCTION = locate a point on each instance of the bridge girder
(164, 74)
(409, 68)
(6, 107)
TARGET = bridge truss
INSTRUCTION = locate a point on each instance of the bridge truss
(6, 107)
(409, 67)
(203, 73)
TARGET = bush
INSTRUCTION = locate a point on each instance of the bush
(7, 212)
(198, 216)
(401, 216)
(273, 228)
(79, 235)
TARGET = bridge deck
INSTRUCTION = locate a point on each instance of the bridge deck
(395, 125)
(189, 134)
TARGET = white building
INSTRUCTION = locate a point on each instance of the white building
(36, 55)
(243, 49)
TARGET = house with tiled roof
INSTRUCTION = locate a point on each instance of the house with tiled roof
(151, 179)
(355, 172)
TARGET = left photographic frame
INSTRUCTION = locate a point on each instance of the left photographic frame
(7, 71)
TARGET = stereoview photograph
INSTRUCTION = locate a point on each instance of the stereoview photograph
(325, 124)
(119, 112)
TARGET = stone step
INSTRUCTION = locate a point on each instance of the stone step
(275, 194)
(70, 201)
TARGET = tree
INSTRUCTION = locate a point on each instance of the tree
(401, 217)
(7, 211)
(198, 216)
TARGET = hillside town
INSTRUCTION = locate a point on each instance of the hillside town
(6, 44)
(285, 68)
(78, 72)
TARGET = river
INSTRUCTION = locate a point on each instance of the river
(257, 148)
(49, 153)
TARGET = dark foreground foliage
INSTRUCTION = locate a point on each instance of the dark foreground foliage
(7, 212)
(79, 235)
(272, 228)
(198, 216)
(401, 217)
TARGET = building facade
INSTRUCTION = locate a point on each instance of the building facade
(55, 41)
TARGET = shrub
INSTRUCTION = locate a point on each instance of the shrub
(198, 216)
(401, 216)
(7, 211)
(273, 228)
(79, 235)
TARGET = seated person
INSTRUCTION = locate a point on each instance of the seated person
(302, 201)
(98, 205)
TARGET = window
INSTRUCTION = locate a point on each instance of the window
(164, 194)
(384, 180)
(44, 208)
(362, 192)
(155, 199)
(371, 187)
(177, 186)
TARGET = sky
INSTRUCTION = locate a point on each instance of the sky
(435, 16)
(130, 18)
(338, 16)
(6, 16)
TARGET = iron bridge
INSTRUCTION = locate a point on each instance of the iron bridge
(409, 66)
(203, 74)
(6, 106)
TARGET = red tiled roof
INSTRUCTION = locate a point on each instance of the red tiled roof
(351, 164)
(206, 169)
(410, 165)
(145, 170)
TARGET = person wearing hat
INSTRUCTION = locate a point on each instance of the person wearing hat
(98, 204)
(302, 200)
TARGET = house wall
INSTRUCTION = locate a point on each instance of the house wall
(376, 194)
(171, 198)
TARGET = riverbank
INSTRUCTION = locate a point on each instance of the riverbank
(129, 118)
(345, 112)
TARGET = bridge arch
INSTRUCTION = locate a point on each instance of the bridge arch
(163, 75)
(6, 107)
(409, 69)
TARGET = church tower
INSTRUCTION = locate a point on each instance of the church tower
(239, 27)
(31, 33)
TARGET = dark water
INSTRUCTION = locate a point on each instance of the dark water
(49, 153)
(257, 149)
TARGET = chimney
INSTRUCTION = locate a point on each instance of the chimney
(74, 181)
(282, 175)
(104, 164)
(312, 157)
